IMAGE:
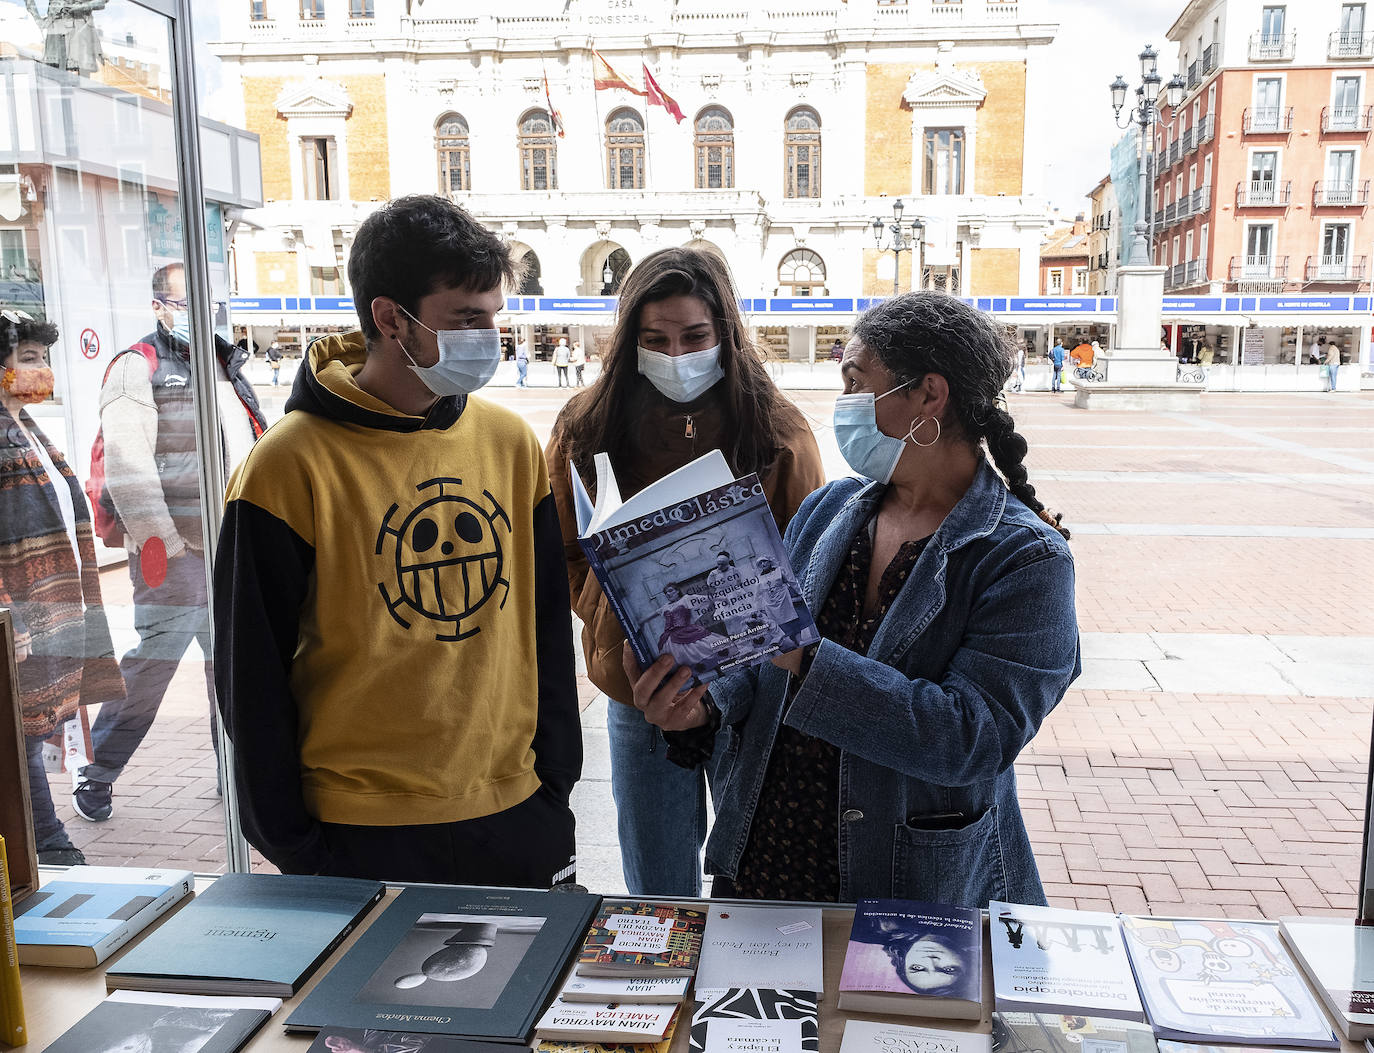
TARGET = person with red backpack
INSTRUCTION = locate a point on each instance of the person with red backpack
(146, 482)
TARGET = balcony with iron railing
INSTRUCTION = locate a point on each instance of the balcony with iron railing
(1194, 74)
(1211, 58)
(1159, 219)
(1343, 45)
(1170, 213)
(1267, 120)
(1338, 119)
(1259, 269)
(1272, 47)
(1173, 154)
(1204, 130)
(1337, 268)
(1181, 275)
(1188, 143)
(1264, 193)
(1339, 193)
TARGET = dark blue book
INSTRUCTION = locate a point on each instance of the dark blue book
(371, 1040)
(693, 566)
(141, 1020)
(477, 963)
(263, 934)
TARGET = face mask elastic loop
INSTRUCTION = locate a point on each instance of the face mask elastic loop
(467, 358)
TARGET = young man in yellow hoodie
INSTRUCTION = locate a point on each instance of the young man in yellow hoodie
(393, 649)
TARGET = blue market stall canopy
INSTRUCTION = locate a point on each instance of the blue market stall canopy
(830, 310)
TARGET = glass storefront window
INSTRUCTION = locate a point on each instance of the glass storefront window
(103, 546)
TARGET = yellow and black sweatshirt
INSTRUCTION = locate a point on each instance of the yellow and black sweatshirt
(393, 639)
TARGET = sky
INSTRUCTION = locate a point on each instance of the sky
(1097, 40)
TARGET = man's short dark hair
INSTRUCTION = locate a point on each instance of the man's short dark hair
(162, 280)
(415, 245)
(27, 328)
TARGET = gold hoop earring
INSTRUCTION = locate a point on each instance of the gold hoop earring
(916, 426)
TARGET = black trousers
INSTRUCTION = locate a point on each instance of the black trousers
(530, 845)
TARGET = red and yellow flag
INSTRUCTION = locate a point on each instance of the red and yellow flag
(658, 97)
(605, 78)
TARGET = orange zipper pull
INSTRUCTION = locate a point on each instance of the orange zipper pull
(691, 429)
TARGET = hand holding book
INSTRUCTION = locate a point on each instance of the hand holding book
(660, 695)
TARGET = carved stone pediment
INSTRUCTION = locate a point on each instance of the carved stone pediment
(314, 98)
(943, 87)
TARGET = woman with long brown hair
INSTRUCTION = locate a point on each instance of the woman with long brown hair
(681, 378)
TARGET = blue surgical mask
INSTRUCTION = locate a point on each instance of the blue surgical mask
(682, 378)
(467, 359)
(866, 449)
(181, 326)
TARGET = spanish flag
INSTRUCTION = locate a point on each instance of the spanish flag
(555, 117)
(658, 97)
(605, 78)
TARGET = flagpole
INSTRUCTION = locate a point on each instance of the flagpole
(600, 127)
(648, 166)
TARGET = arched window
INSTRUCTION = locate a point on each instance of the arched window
(625, 151)
(802, 140)
(538, 152)
(715, 149)
(801, 273)
(451, 146)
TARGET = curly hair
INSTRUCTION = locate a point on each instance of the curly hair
(919, 333)
(12, 334)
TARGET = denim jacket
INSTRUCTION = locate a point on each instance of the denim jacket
(977, 648)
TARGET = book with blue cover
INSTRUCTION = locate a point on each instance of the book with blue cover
(693, 566)
(263, 934)
(476, 963)
(82, 917)
(1210, 980)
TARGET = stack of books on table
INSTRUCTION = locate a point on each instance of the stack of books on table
(629, 980)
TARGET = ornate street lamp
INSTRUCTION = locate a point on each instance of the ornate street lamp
(902, 239)
(1144, 115)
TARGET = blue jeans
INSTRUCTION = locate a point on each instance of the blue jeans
(660, 809)
(167, 618)
(522, 369)
(48, 831)
(1331, 376)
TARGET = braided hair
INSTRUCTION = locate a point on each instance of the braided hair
(928, 332)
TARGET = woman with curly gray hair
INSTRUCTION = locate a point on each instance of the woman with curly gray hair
(879, 762)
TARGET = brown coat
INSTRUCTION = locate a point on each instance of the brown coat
(660, 434)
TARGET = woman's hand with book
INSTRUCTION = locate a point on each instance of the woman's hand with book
(659, 693)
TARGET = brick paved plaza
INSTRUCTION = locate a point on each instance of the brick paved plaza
(1213, 757)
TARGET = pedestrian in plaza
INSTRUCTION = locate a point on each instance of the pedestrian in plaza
(152, 485)
(522, 362)
(1020, 368)
(1057, 366)
(1082, 355)
(1333, 364)
(561, 358)
(394, 656)
(679, 379)
(579, 362)
(274, 357)
(880, 762)
(1316, 351)
(49, 579)
(837, 350)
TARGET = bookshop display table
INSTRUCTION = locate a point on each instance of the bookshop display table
(54, 998)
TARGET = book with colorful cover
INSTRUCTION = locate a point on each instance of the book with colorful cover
(914, 959)
(869, 1036)
(777, 947)
(1054, 960)
(643, 939)
(149, 1020)
(83, 916)
(772, 1020)
(252, 934)
(1223, 981)
(588, 1022)
(624, 988)
(550, 1046)
(1069, 1033)
(693, 566)
(475, 963)
(1338, 957)
(370, 1040)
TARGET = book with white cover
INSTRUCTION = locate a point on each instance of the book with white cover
(1210, 980)
(1052, 960)
(773, 947)
(754, 1036)
(587, 1022)
(1338, 957)
(869, 1036)
(625, 988)
(777, 1019)
(82, 916)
